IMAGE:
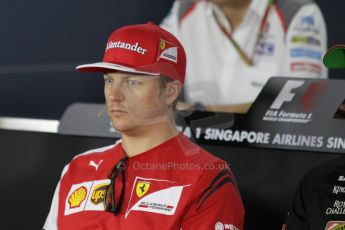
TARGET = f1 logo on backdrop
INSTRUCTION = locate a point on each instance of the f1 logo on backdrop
(286, 94)
(301, 111)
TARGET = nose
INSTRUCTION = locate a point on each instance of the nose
(115, 93)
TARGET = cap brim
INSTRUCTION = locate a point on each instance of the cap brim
(104, 66)
(335, 57)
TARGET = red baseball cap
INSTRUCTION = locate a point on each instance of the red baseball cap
(144, 49)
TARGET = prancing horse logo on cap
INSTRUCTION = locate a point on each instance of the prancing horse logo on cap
(168, 51)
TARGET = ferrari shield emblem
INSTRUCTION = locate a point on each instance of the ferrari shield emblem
(142, 188)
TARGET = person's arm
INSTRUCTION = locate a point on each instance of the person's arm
(218, 205)
(305, 44)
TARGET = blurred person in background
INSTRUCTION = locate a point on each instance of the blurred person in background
(235, 46)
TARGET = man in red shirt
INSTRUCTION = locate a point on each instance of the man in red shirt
(153, 177)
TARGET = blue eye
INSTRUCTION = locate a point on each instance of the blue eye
(108, 80)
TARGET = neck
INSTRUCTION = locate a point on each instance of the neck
(147, 137)
(234, 10)
(235, 4)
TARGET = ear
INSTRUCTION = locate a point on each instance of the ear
(172, 91)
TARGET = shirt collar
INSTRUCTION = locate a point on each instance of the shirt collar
(256, 7)
(214, 11)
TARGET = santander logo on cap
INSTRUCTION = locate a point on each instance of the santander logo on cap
(123, 45)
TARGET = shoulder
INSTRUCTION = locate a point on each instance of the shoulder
(212, 171)
(95, 152)
(182, 8)
(289, 9)
(327, 167)
(93, 157)
(192, 152)
(328, 173)
(82, 160)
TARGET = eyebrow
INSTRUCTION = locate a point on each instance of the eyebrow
(106, 75)
(127, 76)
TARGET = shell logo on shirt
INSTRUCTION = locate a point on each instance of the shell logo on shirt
(98, 193)
(142, 188)
(78, 196)
(86, 196)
